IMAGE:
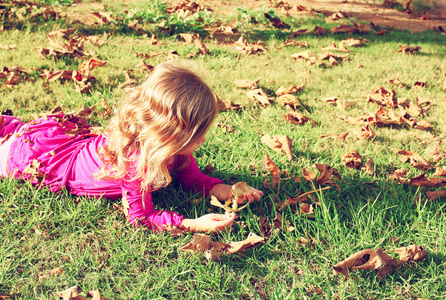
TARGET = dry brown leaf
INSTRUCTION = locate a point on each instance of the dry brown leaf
(252, 241)
(216, 251)
(336, 136)
(144, 66)
(259, 95)
(416, 160)
(245, 47)
(352, 42)
(309, 176)
(288, 99)
(295, 118)
(173, 55)
(240, 189)
(174, 230)
(224, 106)
(226, 207)
(265, 227)
(412, 252)
(433, 182)
(433, 195)
(247, 84)
(409, 49)
(440, 171)
(399, 175)
(307, 210)
(384, 117)
(304, 54)
(327, 173)
(383, 97)
(199, 244)
(88, 66)
(362, 260)
(148, 55)
(271, 167)
(369, 166)
(319, 31)
(56, 271)
(293, 43)
(291, 90)
(352, 160)
(367, 132)
(280, 223)
(190, 37)
(279, 143)
(33, 170)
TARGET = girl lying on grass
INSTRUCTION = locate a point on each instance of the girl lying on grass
(154, 132)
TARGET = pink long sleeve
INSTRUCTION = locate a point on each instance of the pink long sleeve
(192, 179)
(146, 214)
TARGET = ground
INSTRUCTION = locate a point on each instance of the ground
(365, 10)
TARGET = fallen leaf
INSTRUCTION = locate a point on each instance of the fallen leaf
(319, 31)
(307, 210)
(144, 66)
(369, 166)
(383, 97)
(265, 228)
(420, 85)
(327, 175)
(309, 176)
(293, 43)
(174, 230)
(199, 244)
(279, 143)
(190, 37)
(295, 118)
(336, 136)
(288, 99)
(251, 241)
(226, 207)
(416, 160)
(367, 132)
(216, 251)
(259, 95)
(276, 22)
(399, 175)
(291, 90)
(240, 189)
(440, 171)
(247, 84)
(271, 167)
(409, 49)
(433, 182)
(362, 260)
(352, 160)
(412, 252)
(433, 195)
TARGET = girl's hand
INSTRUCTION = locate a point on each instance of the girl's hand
(253, 195)
(209, 223)
(224, 192)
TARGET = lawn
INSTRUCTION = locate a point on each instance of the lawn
(50, 242)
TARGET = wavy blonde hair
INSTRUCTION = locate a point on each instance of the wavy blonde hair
(170, 110)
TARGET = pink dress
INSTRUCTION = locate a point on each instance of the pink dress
(61, 152)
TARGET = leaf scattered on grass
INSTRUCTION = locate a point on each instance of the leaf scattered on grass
(260, 96)
(271, 167)
(279, 143)
(352, 159)
(247, 83)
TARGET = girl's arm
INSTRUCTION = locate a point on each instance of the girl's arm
(144, 213)
(191, 178)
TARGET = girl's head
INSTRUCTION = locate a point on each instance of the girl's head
(168, 114)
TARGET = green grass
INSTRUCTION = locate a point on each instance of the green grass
(96, 248)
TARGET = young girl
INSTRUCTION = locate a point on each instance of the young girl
(153, 133)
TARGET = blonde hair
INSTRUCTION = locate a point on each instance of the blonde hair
(170, 110)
